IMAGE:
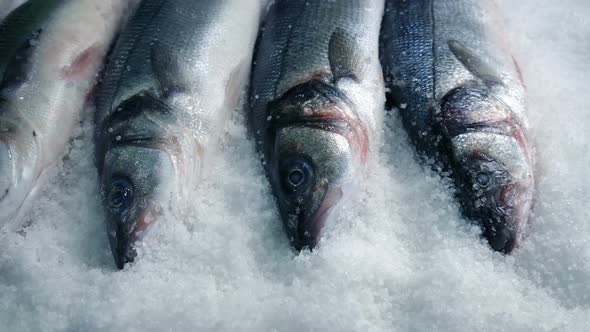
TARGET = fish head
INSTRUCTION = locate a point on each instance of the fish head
(314, 156)
(19, 165)
(311, 170)
(139, 173)
(136, 185)
(490, 164)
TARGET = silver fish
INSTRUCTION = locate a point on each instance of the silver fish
(50, 53)
(7, 6)
(316, 105)
(175, 75)
(461, 97)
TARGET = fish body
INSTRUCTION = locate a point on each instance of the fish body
(50, 54)
(316, 105)
(460, 94)
(6, 6)
(175, 74)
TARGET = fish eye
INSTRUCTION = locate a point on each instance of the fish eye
(483, 179)
(295, 173)
(296, 177)
(119, 194)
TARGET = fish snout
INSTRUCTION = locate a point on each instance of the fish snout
(500, 233)
(304, 226)
(125, 232)
(130, 215)
(502, 220)
(121, 243)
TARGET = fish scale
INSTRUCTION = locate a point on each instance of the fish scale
(175, 75)
(407, 35)
(316, 106)
(50, 53)
(476, 25)
(418, 61)
(132, 70)
(300, 34)
(461, 99)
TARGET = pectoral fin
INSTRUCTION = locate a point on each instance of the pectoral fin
(473, 62)
(346, 57)
(166, 71)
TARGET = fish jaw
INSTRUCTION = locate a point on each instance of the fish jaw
(304, 227)
(485, 147)
(124, 232)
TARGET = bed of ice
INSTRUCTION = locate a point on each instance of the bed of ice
(399, 257)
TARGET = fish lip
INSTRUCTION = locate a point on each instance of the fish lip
(124, 233)
(120, 240)
(307, 232)
(502, 230)
(121, 248)
(500, 234)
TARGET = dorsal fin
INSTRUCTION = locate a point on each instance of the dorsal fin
(474, 63)
(345, 56)
(165, 70)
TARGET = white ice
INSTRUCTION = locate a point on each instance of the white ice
(399, 257)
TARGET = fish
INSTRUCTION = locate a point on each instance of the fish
(451, 75)
(175, 75)
(50, 54)
(316, 107)
(7, 6)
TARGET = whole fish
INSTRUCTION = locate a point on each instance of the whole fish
(175, 74)
(461, 97)
(316, 105)
(50, 53)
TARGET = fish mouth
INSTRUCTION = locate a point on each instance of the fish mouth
(501, 222)
(308, 228)
(500, 233)
(123, 237)
(121, 245)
